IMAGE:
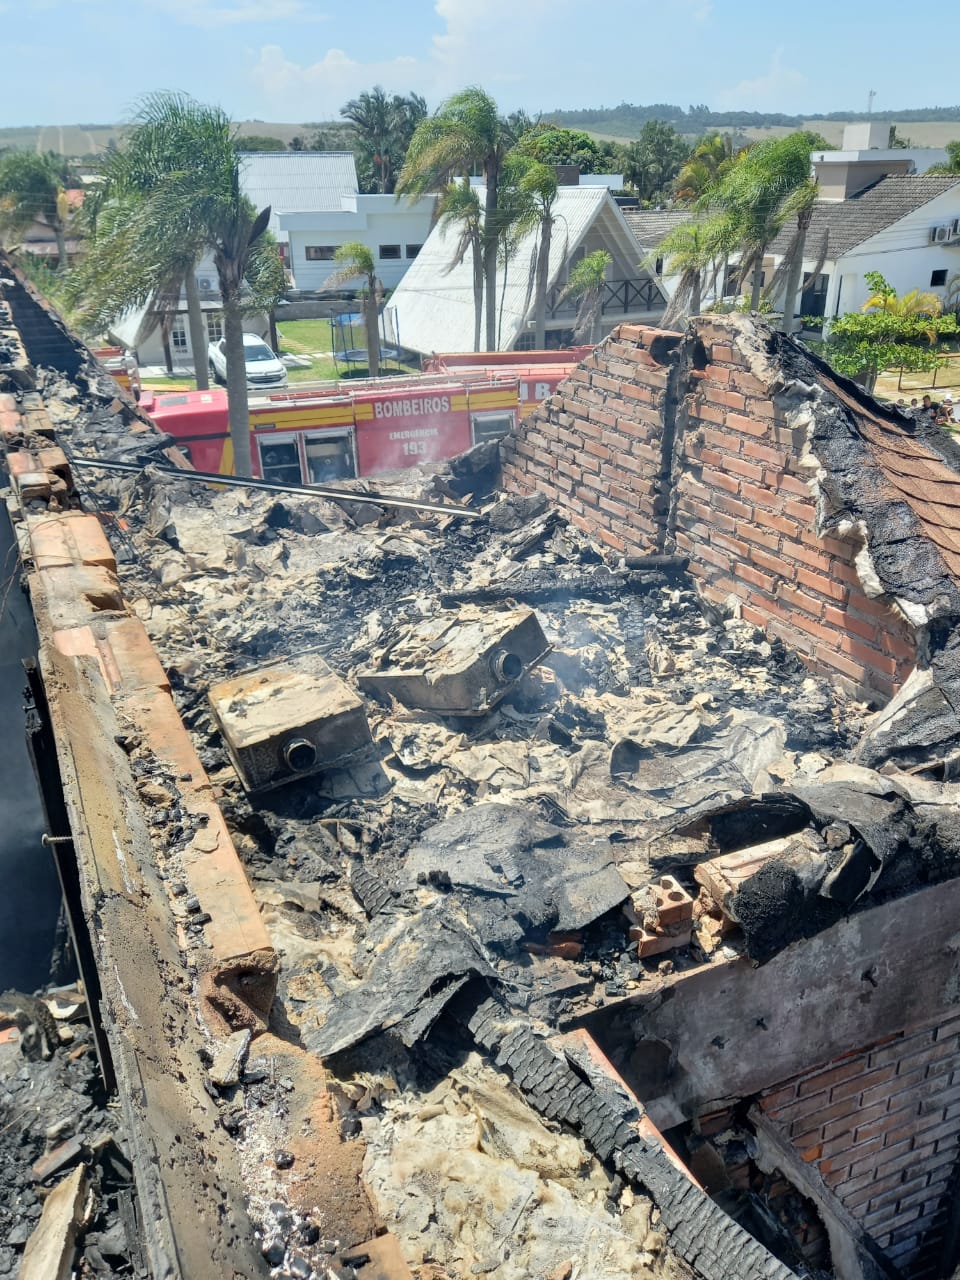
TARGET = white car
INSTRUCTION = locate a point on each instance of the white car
(264, 370)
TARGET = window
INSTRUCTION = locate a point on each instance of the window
(491, 426)
(178, 334)
(938, 279)
(413, 250)
(389, 251)
(214, 327)
(279, 460)
(330, 457)
(321, 252)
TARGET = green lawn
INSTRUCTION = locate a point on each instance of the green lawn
(313, 338)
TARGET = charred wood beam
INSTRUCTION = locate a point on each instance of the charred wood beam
(268, 486)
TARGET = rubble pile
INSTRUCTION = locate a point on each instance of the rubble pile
(63, 1152)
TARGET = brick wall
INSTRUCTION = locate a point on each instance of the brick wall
(657, 442)
(882, 1127)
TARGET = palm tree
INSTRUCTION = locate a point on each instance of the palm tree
(192, 200)
(755, 192)
(539, 185)
(586, 282)
(370, 115)
(357, 261)
(710, 161)
(799, 203)
(384, 127)
(691, 251)
(459, 207)
(465, 133)
(33, 189)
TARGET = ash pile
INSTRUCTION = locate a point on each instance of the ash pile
(69, 1205)
(458, 757)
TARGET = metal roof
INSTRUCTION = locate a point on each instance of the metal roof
(297, 181)
(434, 302)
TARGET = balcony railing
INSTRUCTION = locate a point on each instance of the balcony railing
(620, 297)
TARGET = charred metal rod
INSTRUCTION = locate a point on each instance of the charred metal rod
(267, 486)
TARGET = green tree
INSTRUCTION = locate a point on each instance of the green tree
(691, 251)
(465, 133)
(33, 189)
(259, 142)
(459, 208)
(756, 194)
(586, 282)
(357, 263)
(892, 333)
(179, 193)
(536, 194)
(384, 126)
(551, 145)
(709, 161)
(654, 160)
(952, 163)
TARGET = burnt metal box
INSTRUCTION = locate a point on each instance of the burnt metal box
(459, 664)
(289, 719)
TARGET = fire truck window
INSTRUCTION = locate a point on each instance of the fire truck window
(490, 426)
(280, 462)
(329, 458)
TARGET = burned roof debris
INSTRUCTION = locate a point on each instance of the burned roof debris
(481, 800)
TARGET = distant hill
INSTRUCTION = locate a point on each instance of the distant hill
(80, 140)
(926, 126)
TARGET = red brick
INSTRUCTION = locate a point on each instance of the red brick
(740, 467)
(823, 585)
(772, 520)
(774, 563)
(748, 426)
(720, 480)
(754, 576)
(764, 453)
(783, 482)
(730, 399)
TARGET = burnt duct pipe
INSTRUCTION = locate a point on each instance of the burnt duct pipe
(267, 486)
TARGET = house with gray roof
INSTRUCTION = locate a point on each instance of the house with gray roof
(905, 226)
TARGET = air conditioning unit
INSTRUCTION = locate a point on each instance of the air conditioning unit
(955, 227)
(206, 284)
(939, 234)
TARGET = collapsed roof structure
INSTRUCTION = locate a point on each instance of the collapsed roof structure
(505, 896)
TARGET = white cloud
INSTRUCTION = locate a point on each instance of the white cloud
(319, 90)
(210, 15)
(775, 90)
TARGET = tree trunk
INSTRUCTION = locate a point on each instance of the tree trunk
(543, 275)
(238, 410)
(165, 340)
(490, 242)
(373, 328)
(757, 284)
(477, 294)
(198, 330)
(695, 290)
(503, 298)
(791, 290)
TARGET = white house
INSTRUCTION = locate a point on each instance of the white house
(434, 306)
(393, 230)
(906, 227)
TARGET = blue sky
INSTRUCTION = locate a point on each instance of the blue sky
(86, 61)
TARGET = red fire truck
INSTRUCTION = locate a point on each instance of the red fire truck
(365, 427)
(316, 437)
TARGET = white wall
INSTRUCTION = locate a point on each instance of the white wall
(151, 351)
(373, 221)
(903, 254)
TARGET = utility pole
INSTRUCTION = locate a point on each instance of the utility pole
(871, 94)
